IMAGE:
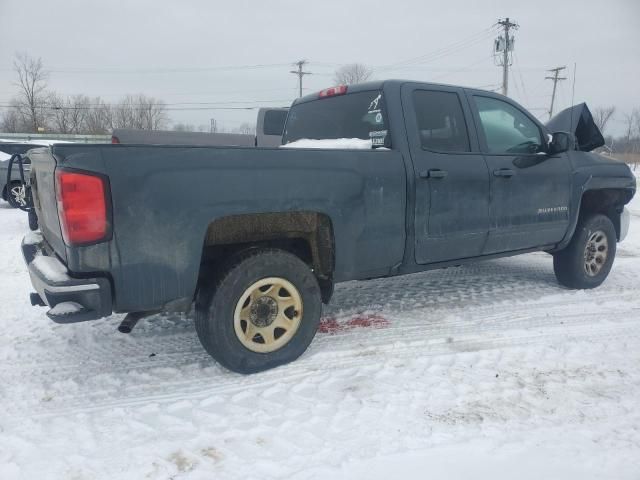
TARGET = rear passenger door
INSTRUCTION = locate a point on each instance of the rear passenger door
(530, 189)
(451, 176)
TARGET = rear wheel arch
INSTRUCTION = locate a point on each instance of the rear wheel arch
(306, 234)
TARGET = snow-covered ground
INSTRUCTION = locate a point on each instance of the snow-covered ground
(484, 371)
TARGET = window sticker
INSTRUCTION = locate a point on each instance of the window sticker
(377, 137)
(373, 106)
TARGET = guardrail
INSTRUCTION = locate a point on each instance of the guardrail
(21, 137)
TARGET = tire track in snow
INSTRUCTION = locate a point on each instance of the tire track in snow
(322, 361)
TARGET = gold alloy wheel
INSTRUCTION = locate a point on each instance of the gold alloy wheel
(268, 314)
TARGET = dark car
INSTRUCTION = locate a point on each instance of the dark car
(14, 186)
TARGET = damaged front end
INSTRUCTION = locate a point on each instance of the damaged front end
(578, 121)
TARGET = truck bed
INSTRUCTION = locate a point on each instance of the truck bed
(163, 199)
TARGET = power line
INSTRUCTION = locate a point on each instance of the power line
(248, 106)
(556, 71)
(443, 51)
(464, 68)
(524, 90)
(102, 104)
(162, 70)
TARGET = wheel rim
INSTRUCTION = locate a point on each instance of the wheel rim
(268, 314)
(18, 195)
(595, 253)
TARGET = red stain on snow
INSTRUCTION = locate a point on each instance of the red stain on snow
(331, 326)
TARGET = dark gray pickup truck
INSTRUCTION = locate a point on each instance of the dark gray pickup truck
(256, 238)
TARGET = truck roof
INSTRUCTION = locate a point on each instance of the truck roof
(377, 85)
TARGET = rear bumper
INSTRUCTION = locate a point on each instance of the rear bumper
(69, 299)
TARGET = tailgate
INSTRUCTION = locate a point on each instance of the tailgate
(43, 190)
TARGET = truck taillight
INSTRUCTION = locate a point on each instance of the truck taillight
(82, 207)
(333, 91)
(114, 139)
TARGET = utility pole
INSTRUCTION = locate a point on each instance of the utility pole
(506, 48)
(300, 73)
(556, 71)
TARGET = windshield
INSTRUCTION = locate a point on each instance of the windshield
(356, 115)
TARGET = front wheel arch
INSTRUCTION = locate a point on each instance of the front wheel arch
(606, 201)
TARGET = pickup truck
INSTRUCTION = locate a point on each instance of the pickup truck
(257, 237)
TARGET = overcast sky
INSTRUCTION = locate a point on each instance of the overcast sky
(195, 52)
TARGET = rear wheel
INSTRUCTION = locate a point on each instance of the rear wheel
(587, 260)
(262, 312)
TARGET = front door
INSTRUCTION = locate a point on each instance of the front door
(530, 190)
(451, 176)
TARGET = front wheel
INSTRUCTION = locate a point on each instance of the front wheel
(263, 312)
(587, 260)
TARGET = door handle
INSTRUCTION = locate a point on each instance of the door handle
(433, 173)
(504, 172)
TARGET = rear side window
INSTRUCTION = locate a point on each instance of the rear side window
(274, 122)
(440, 121)
(354, 115)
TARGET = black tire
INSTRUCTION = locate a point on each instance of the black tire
(33, 220)
(216, 303)
(569, 263)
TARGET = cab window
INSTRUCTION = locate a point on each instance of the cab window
(440, 121)
(354, 115)
(507, 129)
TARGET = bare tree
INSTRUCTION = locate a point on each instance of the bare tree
(183, 127)
(246, 128)
(32, 85)
(99, 118)
(12, 121)
(630, 141)
(69, 114)
(141, 112)
(152, 113)
(630, 124)
(352, 73)
(602, 115)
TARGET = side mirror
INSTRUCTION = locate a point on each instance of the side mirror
(560, 142)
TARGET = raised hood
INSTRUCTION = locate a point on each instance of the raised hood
(579, 121)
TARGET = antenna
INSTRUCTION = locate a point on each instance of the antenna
(573, 91)
(573, 87)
